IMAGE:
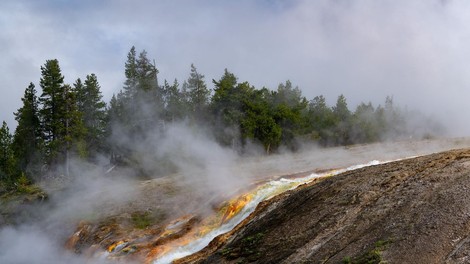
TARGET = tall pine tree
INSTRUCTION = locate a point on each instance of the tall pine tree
(61, 122)
(27, 141)
(198, 94)
(52, 113)
(93, 111)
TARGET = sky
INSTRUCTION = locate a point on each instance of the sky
(416, 51)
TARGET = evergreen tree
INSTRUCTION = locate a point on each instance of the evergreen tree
(226, 105)
(290, 112)
(175, 106)
(149, 97)
(342, 121)
(72, 139)
(142, 99)
(114, 124)
(198, 94)
(364, 126)
(321, 119)
(115, 111)
(93, 111)
(258, 121)
(226, 102)
(52, 113)
(130, 71)
(289, 95)
(80, 94)
(8, 172)
(27, 139)
(61, 122)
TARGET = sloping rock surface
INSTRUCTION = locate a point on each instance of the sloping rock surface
(409, 211)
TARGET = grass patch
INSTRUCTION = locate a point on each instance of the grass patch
(142, 220)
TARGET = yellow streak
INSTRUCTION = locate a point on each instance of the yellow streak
(212, 222)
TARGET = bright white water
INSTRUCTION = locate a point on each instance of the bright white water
(263, 192)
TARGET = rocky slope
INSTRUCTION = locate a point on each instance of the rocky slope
(409, 211)
(140, 223)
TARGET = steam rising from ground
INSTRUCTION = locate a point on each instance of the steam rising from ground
(44, 227)
(202, 162)
(197, 163)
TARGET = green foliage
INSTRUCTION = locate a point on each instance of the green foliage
(175, 102)
(198, 94)
(141, 220)
(60, 117)
(227, 108)
(28, 137)
(66, 121)
(259, 123)
(7, 159)
(53, 111)
(93, 115)
(24, 186)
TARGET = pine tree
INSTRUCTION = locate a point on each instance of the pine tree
(149, 98)
(28, 136)
(61, 121)
(142, 98)
(226, 106)
(321, 119)
(52, 113)
(115, 111)
(291, 108)
(342, 121)
(73, 135)
(175, 108)
(80, 94)
(258, 120)
(8, 172)
(130, 71)
(93, 111)
(198, 94)
(364, 126)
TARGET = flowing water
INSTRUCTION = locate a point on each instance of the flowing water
(261, 193)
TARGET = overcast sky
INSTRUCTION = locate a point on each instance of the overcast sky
(416, 51)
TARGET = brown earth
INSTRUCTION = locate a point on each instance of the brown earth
(355, 216)
(409, 211)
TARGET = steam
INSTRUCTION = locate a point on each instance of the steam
(198, 164)
(29, 244)
(202, 162)
(413, 50)
(45, 226)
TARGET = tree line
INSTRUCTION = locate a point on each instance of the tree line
(67, 121)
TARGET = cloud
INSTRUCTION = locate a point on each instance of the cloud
(414, 50)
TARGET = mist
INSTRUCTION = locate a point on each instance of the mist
(205, 172)
(40, 231)
(415, 51)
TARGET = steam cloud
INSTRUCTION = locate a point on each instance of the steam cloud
(414, 50)
(201, 166)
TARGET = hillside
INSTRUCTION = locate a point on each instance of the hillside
(409, 211)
